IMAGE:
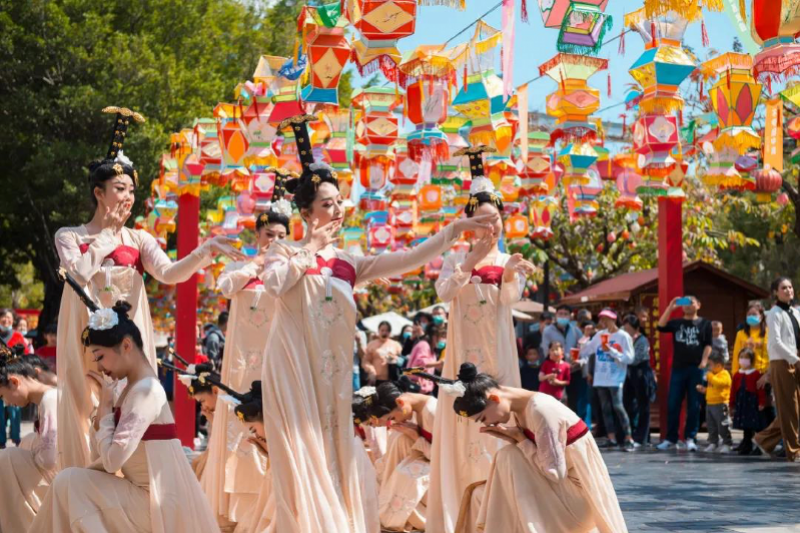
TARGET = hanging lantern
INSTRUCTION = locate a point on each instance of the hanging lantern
(768, 181)
(583, 29)
(688, 9)
(576, 159)
(380, 24)
(582, 197)
(628, 182)
(774, 24)
(481, 101)
(533, 172)
(516, 227)
(208, 150)
(327, 49)
(554, 11)
(376, 131)
(734, 96)
(426, 107)
(430, 198)
(380, 237)
(542, 211)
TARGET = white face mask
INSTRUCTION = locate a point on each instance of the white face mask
(744, 364)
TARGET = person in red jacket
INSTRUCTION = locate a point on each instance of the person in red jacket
(554, 375)
(747, 400)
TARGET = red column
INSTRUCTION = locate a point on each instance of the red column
(670, 285)
(186, 314)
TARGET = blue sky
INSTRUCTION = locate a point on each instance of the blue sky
(535, 44)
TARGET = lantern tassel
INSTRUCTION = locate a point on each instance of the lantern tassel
(621, 49)
(702, 86)
(465, 76)
(704, 33)
(609, 85)
(653, 40)
(524, 11)
(680, 118)
(769, 85)
(624, 126)
(742, 10)
(728, 78)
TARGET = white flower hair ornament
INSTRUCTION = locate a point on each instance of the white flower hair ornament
(457, 389)
(481, 184)
(186, 379)
(122, 158)
(366, 392)
(282, 207)
(320, 166)
(103, 319)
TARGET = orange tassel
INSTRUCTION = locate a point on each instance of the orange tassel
(743, 10)
(680, 118)
(654, 42)
(728, 78)
(465, 77)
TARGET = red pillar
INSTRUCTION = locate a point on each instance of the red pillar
(670, 285)
(186, 314)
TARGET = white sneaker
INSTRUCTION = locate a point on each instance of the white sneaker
(681, 445)
(636, 445)
(665, 445)
(724, 449)
(691, 445)
(710, 448)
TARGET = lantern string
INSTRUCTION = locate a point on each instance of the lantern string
(471, 24)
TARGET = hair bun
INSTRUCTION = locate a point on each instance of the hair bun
(204, 368)
(467, 373)
(291, 185)
(255, 390)
(122, 307)
(405, 384)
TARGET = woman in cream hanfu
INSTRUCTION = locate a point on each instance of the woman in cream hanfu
(307, 375)
(406, 476)
(26, 473)
(481, 287)
(109, 260)
(235, 470)
(552, 478)
(157, 490)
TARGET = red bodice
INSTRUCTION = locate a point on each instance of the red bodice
(341, 269)
(490, 274)
(123, 256)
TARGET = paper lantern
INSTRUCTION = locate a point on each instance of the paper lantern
(380, 24)
(426, 107)
(554, 11)
(207, 149)
(516, 227)
(583, 29)
(768, 181)
(263, 186)
(734, 96)
(576, 159)
(380, 237)
(538, 165)
(582, 196)
(542, 211)
(327, 50)
(430, 198)
(689, 9)
(654, 136)
(774, 24)
(481, 101)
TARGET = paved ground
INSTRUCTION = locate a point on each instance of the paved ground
(699, 492)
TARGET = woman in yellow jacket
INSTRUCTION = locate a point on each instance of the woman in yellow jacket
(754, 336)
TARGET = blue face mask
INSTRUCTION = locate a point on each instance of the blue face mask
(406, 335)
(753, 320)
(563, 322)
(438, 319)
(441, 344)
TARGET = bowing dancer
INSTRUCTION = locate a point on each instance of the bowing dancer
(481, 287)
(406, 475)
(552, 479)
(235, 470)
(136, 437)
(109, 260)
(26, 473)
(373, 437)
(307, 373)
(205, 394)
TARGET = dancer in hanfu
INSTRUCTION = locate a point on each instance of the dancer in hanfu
(135, 437)
(234, 472)
(109, 259)
(26, 473)
(307, 374)
(481, 287)
(406, 475)
(552, 478)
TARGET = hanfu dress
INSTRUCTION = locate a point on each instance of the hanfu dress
(307, 379)
(234, 472)
(110, 270)
(554, 481)
(480, 331)
(26, 473)
(404, 487)
(157, 492)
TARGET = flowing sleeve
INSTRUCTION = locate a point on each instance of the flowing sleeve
(166, 271)
(235, 278)
(285, 266)
(451, 278)
(549, 451)
(139, 410)
(422, 444)
(44, 451)
(511, 293)
(392, 264)
(82, 266)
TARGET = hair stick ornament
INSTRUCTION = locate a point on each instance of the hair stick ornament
(64, 276)
(481, 189)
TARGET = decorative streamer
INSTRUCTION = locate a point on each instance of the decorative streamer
(522, 107)
(524, 11)
(736, 13)
(773, 135)
(507, 56)
(621, 49)
(609, 85)
(704, 34)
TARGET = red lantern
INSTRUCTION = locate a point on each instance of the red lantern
(768, 181)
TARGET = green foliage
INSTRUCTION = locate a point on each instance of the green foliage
(64, 60)
(30, 291)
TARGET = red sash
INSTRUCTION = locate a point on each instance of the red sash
(253, 283)
(490, 274)
(341, 269)
(578, 430)
(154, 431)
(428, 436)
(122, 256)
(361, 433)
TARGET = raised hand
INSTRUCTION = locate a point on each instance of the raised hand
(480, 249)
(477, 222)
(223, 245)
(517, 265)
(116, 218)
(319, 237)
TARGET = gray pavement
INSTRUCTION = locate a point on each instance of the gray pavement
(678, 491)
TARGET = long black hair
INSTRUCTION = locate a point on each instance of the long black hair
(360, 409)
(17, 366)
(384, 401)
(113, 337)
(476, 386)
(763, 324)
(252, 407)
(272, 217)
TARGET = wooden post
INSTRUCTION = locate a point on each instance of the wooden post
(670, 285)
(186, 315)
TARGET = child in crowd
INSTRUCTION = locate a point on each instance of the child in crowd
(718, 339)
(718, 394)
(554, 376)
(747, 400)
(529, 368)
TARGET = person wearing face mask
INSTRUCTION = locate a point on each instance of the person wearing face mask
(234, 470)
(783, 343)
(10, 414)
(569, 335)
(109, 259)
(307, 371)
(21, 327)
(552, 477)
(439, 315)
(381, 355)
